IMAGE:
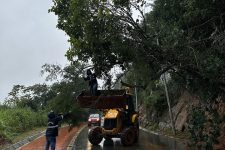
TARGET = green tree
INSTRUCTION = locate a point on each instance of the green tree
(100, 31)
(177, 36)
(69, 86)
(35, 96)
(186, 32)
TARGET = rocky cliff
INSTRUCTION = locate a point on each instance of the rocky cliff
(181, 109)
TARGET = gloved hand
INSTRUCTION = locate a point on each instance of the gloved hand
(66, 115)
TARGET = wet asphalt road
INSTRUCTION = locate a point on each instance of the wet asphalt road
(147, 141)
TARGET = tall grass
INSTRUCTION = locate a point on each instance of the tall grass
(14, 121)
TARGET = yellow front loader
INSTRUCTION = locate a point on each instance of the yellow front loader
(120, 117)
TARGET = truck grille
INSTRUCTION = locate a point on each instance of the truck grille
(109, 124)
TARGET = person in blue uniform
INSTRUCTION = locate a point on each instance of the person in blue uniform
(52, 129)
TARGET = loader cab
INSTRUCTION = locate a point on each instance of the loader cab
(120, 118)
(130, 104)
(116, 119)
(110, 120)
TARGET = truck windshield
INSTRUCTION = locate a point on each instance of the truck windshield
(94, 115)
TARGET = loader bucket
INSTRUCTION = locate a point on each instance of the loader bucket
(107, 99)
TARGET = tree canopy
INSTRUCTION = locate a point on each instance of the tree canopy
(58, 96)
(182, 37)
(101, 31)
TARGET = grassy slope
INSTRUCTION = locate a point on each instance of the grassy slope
(23, 136)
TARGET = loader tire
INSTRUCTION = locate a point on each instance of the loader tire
(128, 136)
(107, 138)
(95, 135)
(136, 128)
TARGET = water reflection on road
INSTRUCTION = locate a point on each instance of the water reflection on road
(147, 141)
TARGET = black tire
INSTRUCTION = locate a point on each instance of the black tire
(128, 136)
(95, 135)
(107, 138)
(136, 128)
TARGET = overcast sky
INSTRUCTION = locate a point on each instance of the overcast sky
(28, 39)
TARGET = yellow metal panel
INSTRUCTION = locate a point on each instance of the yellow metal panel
(114, 131)
(112, 113)
(134, 117)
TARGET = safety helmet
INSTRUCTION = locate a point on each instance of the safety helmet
(51, 115)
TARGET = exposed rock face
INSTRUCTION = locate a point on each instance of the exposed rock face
(163, 125)
(180, 112)
(143, 118)
(181, 120)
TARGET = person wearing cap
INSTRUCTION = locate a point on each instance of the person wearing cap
(52, 129)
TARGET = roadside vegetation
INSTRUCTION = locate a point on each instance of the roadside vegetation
(15, 121)
(26, 107)
(182, 39)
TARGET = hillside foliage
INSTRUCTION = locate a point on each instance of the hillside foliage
(183, 38)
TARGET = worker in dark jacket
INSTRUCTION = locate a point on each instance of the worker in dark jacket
(52, 129)
(91, 77)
